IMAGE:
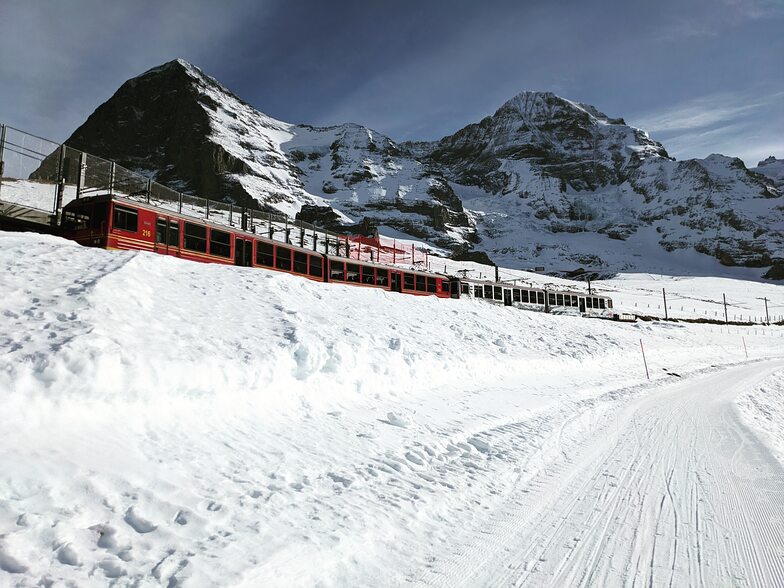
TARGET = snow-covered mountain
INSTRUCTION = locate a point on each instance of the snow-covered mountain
(543, 181)
(772, 168)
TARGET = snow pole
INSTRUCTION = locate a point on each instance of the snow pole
(644, 361)
(746, 351)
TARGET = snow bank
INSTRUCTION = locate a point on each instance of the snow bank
(763, 410)
(166, 421)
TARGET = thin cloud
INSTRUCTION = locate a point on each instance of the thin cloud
(705, 111)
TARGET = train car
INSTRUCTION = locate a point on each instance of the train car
(390, 278)
(112, 222)
(514, 295)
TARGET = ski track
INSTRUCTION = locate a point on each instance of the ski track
(673, 490)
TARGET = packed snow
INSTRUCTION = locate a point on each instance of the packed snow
(172, 423)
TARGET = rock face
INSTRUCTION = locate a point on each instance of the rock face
(773, 169)
(543, 181)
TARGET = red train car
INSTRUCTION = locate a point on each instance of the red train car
(112, 222)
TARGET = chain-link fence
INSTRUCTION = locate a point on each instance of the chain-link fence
(44, 175)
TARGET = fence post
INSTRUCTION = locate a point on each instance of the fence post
(231, 214)
(726, 321)
(111, 177)
(149, 189)
(82, 175)
(206, 208)
(58, 199)
(2, 149)
(179, 207)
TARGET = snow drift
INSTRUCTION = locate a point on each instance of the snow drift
(169, 422)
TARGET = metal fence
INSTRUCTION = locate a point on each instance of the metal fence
(44, 175)
(385, 250)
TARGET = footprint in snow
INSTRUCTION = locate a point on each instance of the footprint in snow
(10, 564)
(68, 556)
(138, 523)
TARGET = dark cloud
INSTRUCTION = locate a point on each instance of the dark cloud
(410, 69)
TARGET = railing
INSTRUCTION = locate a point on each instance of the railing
(45, 175)
(385, 250)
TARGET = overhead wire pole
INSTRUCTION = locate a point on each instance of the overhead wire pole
(726, 319)
(767, 316)
(664, 295)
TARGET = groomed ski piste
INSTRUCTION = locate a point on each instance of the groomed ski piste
(171, 423)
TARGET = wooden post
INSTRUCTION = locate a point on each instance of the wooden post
(644, 361)
(746, 351)
(726, 320)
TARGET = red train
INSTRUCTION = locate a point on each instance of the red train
(113, 222)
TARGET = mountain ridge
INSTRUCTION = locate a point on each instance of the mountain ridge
(541, 166)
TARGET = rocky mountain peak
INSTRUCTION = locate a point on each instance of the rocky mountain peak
(772, 169)
(525, 184)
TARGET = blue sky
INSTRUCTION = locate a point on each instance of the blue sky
(701, 76)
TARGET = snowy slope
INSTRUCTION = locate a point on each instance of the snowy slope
(168, 422)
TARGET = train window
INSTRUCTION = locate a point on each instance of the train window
(589, 302)
(337, 270)
(76, 220)
(283, 258)
(601, 302)
(174, 233)
(567, 300)
(126, 219)
(408, 281)
(551, 299)
(523, 295)
(161, 229)
(596, 303)
(264, 254)
(465, 289)
(315, 266)
(498, 294)
(220, 243)
(352, 272)
(574, 300)
(195, 237)
(477, 291)
(489, 292)
(431, 285)
(559, 299)
(420, 283)
(368, 275)
(515, 295)
(300, 262)
(540, 297)
(382, 277)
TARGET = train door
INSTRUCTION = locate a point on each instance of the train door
(507, 297)
(397, 286)
(243, 252)
(167, 236)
